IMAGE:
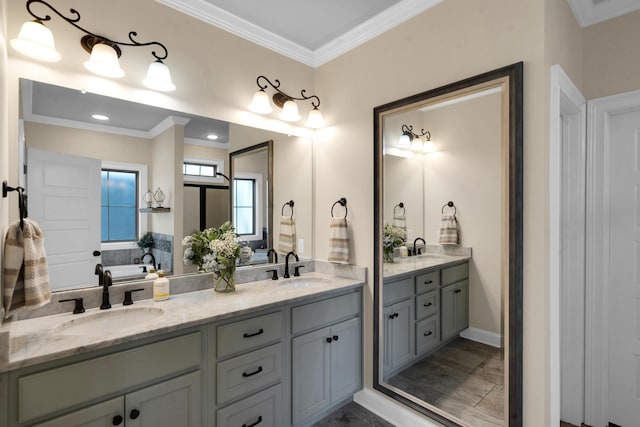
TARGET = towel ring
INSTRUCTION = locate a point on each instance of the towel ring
(451, 205)
(21, 205)
(290, 204)
(342, 202)
(401, 206)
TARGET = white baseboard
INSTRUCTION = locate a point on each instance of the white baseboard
(482, 336)
(392, 411)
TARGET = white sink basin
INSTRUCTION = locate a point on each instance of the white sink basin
(304, 282)
(109, 321)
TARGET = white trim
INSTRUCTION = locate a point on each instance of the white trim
(395, 413)
(218, 163)
(384, 21)
(167, 124)
(568, 107)
(207, 143)
(599, 112)
(142, 190)
(589, 12)
(485, 337)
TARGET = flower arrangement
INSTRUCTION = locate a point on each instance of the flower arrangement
(146, 241)
(393, 237)
(214, 250)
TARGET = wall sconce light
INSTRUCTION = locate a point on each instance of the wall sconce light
(422, 141)
(261, 104)
(35, 40)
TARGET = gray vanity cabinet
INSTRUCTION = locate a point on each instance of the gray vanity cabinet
(399, 339)
(455, 309)
(326, 358)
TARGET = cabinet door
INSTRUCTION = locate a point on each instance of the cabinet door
(462, 306)
(310, 373)
(109, 413)
(448, 311)
(345, 359)
(176, 402)
(401, 333)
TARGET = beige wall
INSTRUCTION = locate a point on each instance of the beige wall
(454, 40)
(563, 40)
(611, 56)
(4, 132)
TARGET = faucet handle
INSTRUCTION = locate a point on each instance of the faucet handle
(127, 296)
(79, 307)
(274, 276)
(296, 271)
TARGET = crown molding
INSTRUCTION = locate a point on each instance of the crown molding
(589, 12)
(364, 32)
(166, 124)
(207, 143)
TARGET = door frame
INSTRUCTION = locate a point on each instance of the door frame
(567, 123)
(599, 112)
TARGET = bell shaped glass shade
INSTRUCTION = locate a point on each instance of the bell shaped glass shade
(159, 77)
(290, 111)
(404, 140)
(104, 61)
(315, 120)
(36, 41)
(260, 103)
(429, 147)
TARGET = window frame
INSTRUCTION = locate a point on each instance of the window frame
(257, 208)
(216, 163)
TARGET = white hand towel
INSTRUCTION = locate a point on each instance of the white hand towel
(449, 230)
(25, 274)
(339, 241)
(400, 221)
(287, 239)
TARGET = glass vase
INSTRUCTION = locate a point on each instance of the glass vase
(387, 255)
(225, 281)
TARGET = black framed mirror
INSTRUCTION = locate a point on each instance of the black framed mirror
(488, 106)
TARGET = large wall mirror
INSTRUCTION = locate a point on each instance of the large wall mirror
(84, 173)
(463, 145)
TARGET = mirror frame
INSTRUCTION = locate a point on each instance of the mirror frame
(269, 199)
(513, 74)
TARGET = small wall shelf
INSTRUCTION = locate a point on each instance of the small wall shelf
(154, 210)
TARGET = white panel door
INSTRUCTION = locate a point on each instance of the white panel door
(624, 272)
(64, 198)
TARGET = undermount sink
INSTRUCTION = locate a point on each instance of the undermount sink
(304, 282)
(108, 321)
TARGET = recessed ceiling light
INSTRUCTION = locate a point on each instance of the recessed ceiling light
(100, 117)
(212, 136)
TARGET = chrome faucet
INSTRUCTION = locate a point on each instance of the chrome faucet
(275, 255)
(286, 264)
(107, 281)
(153, 259)
(415, 250)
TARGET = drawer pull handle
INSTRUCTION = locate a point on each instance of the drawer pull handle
(428, 333)
(428, 304)
(257, 371)
(428, 282)
(117, 420)
(254, 424)
(134, 414)
(246, 335)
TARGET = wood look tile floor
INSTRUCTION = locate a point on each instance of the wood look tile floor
(352, 415)
(464, 378)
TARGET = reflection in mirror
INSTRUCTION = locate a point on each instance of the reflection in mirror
(448, 316)
(107, 167)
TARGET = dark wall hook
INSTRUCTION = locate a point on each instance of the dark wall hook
(290, 204)
(342, 202)
(451, 205)
(401, 206)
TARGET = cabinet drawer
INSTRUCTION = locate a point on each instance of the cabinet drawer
(60, 388)
(322, 313)
(263, 409)
(249, 333)
(397, 291)
(455, 273)
(427, 282)
(427, 304)
(244, 374)
(427, 334)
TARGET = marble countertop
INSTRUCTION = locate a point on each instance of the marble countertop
(403, 267)
(44, 339)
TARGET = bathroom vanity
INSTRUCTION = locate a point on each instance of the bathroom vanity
(274, 353)
(425, 305)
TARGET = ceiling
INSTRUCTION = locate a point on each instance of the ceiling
(589, 12)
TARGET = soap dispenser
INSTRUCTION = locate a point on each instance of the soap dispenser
(152, 275)
(161, 288)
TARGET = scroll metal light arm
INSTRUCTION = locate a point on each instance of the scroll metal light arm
(280, 97)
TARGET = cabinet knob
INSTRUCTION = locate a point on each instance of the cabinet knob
(134, 414)
(393, 316)
(117, 420)
(457, 291)
(329, 339)
(335, 337)
(253, 424)
(97, 253)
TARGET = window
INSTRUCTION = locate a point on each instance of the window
(198, 169)
(119, 218)
(244, 206)
(202, 171)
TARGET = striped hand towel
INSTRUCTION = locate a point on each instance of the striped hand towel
(400, 221)
(25, 274)
(287, 239)
(449, 230)
(338, 241)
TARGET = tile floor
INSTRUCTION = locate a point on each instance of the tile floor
(464, 378)
(352, 415)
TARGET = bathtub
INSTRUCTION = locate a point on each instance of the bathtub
(128, 271)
